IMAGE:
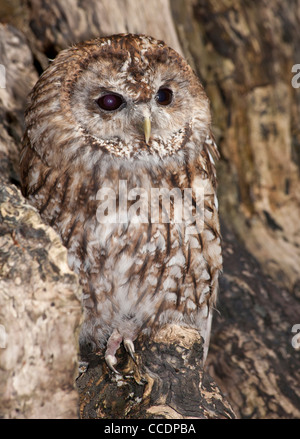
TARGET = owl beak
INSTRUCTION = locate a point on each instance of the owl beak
(147, 129)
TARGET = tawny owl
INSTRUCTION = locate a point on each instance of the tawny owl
(118, 157)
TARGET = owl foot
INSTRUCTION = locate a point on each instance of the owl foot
(111, 361)
(129, 346)
(113, 345)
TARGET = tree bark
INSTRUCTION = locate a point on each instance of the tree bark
(243, 52)
(39, 295)
(166, 381)
(252, 356)
(39, 316)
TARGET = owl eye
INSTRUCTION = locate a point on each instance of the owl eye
(110, 102)
(164, 96)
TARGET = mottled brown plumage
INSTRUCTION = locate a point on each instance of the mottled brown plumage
(88, 129)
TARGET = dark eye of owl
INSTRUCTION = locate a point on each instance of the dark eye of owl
(110, 102)
(164, 96)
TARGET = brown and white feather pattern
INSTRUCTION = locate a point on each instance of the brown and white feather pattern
(136, 277)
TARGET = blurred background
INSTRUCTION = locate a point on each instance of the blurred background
(244, 53)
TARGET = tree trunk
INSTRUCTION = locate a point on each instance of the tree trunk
(39, 295)
(243, 52)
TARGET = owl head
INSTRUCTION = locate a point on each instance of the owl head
(129, 96)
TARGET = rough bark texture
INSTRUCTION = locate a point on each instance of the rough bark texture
(251, 353)
(243, 52)
(166, 382)
(39, 295)
(39, 314)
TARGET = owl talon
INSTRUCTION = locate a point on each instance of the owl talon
(111, 361)
(113, 345)
(129, 346)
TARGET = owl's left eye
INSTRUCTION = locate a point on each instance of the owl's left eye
(164, 96)
(110, 102)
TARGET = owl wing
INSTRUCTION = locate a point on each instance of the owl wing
(29, 160)
(211, 236)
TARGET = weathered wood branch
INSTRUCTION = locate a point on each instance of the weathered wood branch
(167, 381)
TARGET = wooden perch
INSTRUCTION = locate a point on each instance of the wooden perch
(166, 382)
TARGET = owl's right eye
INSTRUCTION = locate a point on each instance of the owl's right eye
(164, 96)
(110, 102)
